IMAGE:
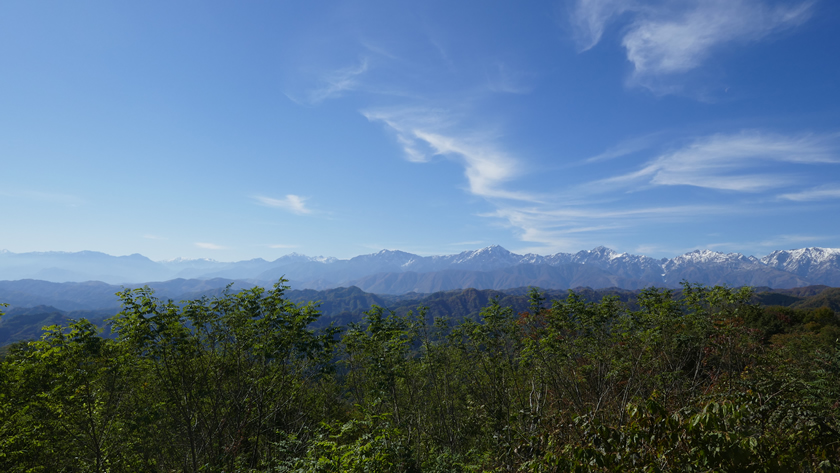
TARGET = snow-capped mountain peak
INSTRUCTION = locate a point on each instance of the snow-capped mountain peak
(784, 268)
(804, 261)
(708, 256)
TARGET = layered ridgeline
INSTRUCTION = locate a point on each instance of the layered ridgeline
(398, 272)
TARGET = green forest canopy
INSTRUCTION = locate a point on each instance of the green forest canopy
(705, 380)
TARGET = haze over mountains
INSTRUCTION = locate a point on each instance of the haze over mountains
(398, 272)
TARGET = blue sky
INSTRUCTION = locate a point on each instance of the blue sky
(235, 130)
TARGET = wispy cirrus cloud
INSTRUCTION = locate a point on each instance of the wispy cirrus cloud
(734, 162)
(334, 84)
(425, 133)
(485, 166)
(590, 18)
(293, 203)
(569, 227)
(626, 147)
(831, 191)
(424, 101)
(673, 37)
(751, 164)
(663, 40)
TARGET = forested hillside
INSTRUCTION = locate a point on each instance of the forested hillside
(703, 379)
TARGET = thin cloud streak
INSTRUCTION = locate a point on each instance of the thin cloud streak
(404, 122)
(564, 229)
(292, 203)
(745, 162)
(625, 148)
(817, 193)
(334, 84)
(728, 162)
(592, 213)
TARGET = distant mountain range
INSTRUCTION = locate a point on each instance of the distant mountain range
(398, 272)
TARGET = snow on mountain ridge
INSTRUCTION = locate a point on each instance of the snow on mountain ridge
(491, 257)
(817, 265)
(706, 257)
(822, 264)
(814, 254)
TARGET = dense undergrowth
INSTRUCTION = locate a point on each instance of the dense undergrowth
(706, 381)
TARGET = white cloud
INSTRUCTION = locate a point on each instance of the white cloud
(485, 167)
(292, 203)
(677, 36)
(210, 246)
(404, 122)
(679, 43)
(281, 246)
(816, 193)
(154, 237)
(748, 162)
(730, 162)
(426, 133)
